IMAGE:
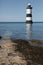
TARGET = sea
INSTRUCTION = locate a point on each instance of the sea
(22, 30)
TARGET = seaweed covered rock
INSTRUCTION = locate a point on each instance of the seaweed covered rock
(0, 37)
(36, 41)
(20, 52)
(33, 54)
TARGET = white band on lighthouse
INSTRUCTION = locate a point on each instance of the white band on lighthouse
(28, 11)
(28, 18)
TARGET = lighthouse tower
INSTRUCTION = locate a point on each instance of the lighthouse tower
(29, 13)
(29, 21)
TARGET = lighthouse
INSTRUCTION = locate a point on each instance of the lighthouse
(29, 13)
(29, 21)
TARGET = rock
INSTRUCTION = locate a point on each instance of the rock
(3, 64)
(25, 54)
(11, 54)
(36, 41)
(0, 37)
(18, 60)
(0, 47)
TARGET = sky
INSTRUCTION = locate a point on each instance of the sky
(15, 10)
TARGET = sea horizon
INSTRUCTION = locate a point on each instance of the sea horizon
(21, 22)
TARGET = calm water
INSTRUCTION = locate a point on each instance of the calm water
(21, 30)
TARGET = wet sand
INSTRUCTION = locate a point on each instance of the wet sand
(20, 52)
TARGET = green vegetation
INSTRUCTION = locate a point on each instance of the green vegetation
(36, 41)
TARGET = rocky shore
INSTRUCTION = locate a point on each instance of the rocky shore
(20, 52)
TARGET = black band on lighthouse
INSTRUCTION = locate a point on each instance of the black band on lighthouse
(29, 7)
(29, 21)
(28, 15)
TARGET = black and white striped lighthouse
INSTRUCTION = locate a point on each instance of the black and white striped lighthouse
(29, 13)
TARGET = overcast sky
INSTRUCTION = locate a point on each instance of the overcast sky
(15, 10)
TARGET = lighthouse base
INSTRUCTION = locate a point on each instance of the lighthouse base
(29, 22)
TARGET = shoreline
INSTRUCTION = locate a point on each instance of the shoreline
(14, 52)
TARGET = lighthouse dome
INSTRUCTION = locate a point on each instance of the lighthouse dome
(29, 6)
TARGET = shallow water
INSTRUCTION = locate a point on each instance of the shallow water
(21, 31)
